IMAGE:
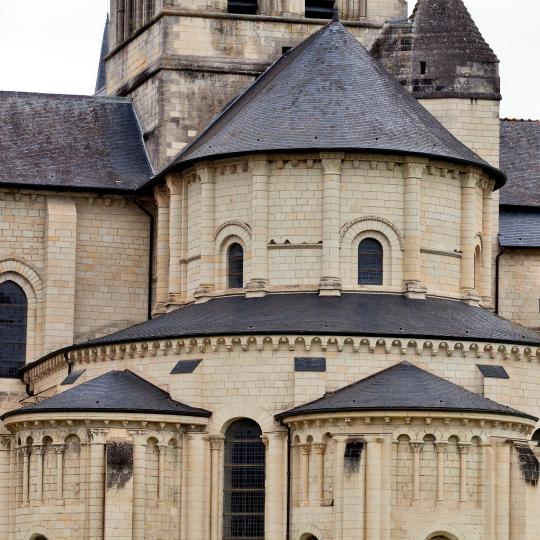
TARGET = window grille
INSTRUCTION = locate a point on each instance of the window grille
(319, 9)
(13, 319)
(244, 479)
(236, 266)
(370, 262)
(243, 7)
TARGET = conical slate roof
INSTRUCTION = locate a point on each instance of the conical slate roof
(404, 387)
(327, 94)
(115, 391)
(101, 79)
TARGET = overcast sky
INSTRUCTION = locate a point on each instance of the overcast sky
(53, 46)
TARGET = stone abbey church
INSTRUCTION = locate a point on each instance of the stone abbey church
(278, 279)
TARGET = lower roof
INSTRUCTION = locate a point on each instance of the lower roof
(519, 228)
(349, 314)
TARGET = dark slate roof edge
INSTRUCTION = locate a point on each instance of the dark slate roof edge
(17, 93)
(458, 95)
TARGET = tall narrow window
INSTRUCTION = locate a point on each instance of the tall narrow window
(243, 7)
(235, 266)
(149, 10)
(370, 262)
(244, 478)
(319, 9)
(130, 17)
(13, 316)
(120, 20)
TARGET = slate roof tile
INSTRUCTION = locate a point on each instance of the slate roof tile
(519, 229)
(404, 387)
(115, 391)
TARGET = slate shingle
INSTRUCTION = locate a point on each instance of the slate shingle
(404, 387)
(71, 143)
(115, 391)
(519, 229)
(328, 93)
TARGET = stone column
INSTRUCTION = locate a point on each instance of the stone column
(59, 449)
(175, 185)
(275, 480)
(330, 284)
(320, 449)
(96, 492)
(207, 223)
(139, 473)
(374, 465)
(440, 448)
(162, 453)
(260, 170)
(305, 450)
(412, 228)
(468, 233)
(197, 508)
(487, 244)
(161, 194)
(339, 472)
(40, 452)
(5, 481)
(463, 452)
(502, 510)
(27, 452)
(417, 449)
(216, 444)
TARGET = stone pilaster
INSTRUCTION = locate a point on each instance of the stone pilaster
(59, 450)
(27, 452)
(416, 448)
(305, 451)
(197, 510)
(206, 175)
(216, 446)
(374, 464)
(275, 481)
(96, 492)
(468, 234)
(440, 448)
(463, 452)
(139, 473)
(320, 449)
(488, 232)
(339, 472)
(161, 195)
(5, 455)
(330, 284)
(260, 170)
(176, 254)
(502, 505)
(40, 452)
(412, 229)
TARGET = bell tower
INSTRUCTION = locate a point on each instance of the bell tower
(182, 61)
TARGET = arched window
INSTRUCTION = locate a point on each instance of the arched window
(319, 9)
(536, 437)
(235, 266)
(120, 20)
(477, 267)
(244, 493)
(243, 7)
(370, 262)
(13, 317)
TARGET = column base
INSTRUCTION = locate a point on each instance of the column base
(256, 288)
(414, 290)
(330, 286)
(159, 309)
(203, 292)
(471, 297)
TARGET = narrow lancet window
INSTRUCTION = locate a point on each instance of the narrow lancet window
(243, 7)
(13, 321)
(244, 482)
(370, 262)
(319, 9)
(236, 266)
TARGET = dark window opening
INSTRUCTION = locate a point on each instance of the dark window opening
(243, 7)
(370, 262)
(244, 482)
(319, 9)
(236, 266)
(353, 454)
(120, 16)
(423, 67)
(13, 320)
(536, 437)
(285, 50)
(149, 10)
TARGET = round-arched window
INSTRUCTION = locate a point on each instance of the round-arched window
(370, 262)
(244, 482)
(13, 320)
(235, 266)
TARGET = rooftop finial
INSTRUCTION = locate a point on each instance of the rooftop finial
(335, 17)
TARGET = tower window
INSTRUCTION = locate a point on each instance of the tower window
(423, 67)
(242, 7)
(244, 482)
(13, 320)
(235, 262)
(353, 453)
(370, 262)
(319, 9)
(149, 10)
(120, 20)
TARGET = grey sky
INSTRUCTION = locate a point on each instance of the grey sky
(53, 46)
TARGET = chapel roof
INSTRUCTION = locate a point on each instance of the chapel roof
(328, 93)
(519, 228)
(404, 387)
(115, 391)
(71, 143)
(520, 160)
(439, 53)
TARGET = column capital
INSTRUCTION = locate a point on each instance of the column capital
(26, 451)
(440, 446)
(320, 448)
(259, 165)
(414, 168)
(138, 436)
(417, 446)
(5, 442)
(174, 183)
(205, 173)
(216, 442)
(463, 448)
(332, 162)
(161, 193)
(275, 435)
(470, 179)
(40, 449)
(305, 448)
(98, 436)
(59, 448)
